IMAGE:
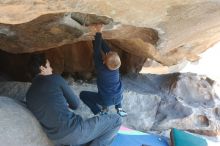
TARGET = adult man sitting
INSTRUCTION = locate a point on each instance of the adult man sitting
(49, 99)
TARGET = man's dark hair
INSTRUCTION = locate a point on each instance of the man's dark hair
(35, 61)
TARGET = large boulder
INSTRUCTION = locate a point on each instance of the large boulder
(185, 28)
(18, 127)
(167, 32)
(155, 102)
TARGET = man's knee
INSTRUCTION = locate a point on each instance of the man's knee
(119, 121)
(116, 119)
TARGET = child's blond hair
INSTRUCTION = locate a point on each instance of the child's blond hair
(112, 60)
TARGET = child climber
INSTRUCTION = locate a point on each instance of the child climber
(109, 84)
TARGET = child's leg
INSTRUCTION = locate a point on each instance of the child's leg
(118, 106)
(105, 109)
(91, 99)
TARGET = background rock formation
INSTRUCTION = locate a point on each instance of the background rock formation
(166, 32)
(184, 28)
(154, 102)
(76, 59)
(69, 46)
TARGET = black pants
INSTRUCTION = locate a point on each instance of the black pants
(93, 99)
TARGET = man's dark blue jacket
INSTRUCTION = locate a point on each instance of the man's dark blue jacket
(48, 99)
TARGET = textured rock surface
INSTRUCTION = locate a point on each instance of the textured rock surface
(49, 34)
(54, 30)
(185, 28)
(18, 126)
(153, 102)
(163, 31)
(76, 59)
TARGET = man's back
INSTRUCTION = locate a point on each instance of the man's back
(47, 98)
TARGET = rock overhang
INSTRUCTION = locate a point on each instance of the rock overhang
(165, 31)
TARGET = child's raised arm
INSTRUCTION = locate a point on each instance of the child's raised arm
(105, 47)
(97, 43)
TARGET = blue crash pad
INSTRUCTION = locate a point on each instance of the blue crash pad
(129, 137)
